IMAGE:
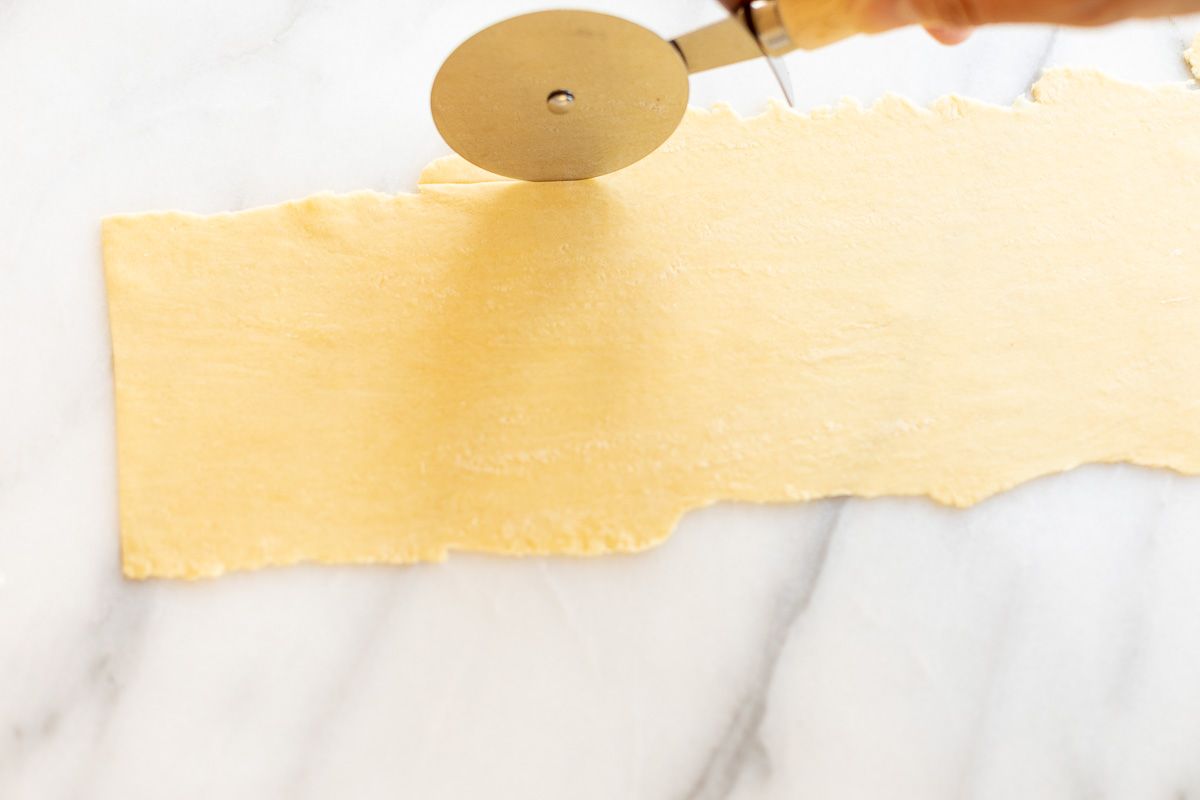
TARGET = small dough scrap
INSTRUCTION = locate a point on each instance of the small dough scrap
(893, 301)
(1192, 57)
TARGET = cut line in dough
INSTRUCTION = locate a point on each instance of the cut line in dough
(894, 301)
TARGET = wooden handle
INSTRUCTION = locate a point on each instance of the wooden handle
(816, 23)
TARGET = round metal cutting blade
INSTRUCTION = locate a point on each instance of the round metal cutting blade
(559, 95)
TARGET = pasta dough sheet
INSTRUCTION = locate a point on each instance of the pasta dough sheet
(894, 301)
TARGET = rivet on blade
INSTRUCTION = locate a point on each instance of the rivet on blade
(560, 101)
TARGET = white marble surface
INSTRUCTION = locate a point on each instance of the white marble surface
(1043, 644)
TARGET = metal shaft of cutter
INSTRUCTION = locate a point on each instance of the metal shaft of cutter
(752, 31)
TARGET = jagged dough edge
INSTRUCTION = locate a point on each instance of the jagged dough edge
(1058, 85)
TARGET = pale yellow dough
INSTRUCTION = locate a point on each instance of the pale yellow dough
(886, 302)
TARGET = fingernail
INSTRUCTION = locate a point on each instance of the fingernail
(949, 35)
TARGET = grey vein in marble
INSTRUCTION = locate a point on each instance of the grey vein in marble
(739, 743)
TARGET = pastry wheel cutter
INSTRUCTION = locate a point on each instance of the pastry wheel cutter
(566, 95)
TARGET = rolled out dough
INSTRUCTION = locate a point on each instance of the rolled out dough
(894, 301)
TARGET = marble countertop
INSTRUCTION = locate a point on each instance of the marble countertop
(1043, 644)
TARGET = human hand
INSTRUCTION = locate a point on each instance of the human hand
(951, 21)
